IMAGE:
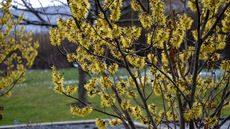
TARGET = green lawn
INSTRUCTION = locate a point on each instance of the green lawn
(35, 101)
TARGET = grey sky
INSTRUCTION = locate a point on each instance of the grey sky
(37, 3)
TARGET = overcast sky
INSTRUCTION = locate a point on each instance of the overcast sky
(37, 3)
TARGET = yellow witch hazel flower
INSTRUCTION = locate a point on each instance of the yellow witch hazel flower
(116, 31)
(158, 9)
(135, 6)
(192, 5)
(193, 113)
(115, 9)
(107, 100)
(152, 58)
(225, 65)
(97, 67)
(185, 21)
(113, 68)
(121, 87)
(71, 90)
(125, 104)
(115, 122)
(156, 89)
(135, 32)
(55, 37)
(79, 8)
(101, 124)
(211, 121)
(183, 24)
(211, 4)
(136, 111)
(170, 115)
(91, 87)
(160, 37)
(138, 62)
(106, 82)
(17, 50)
(81, 111)
(146, 20)
(131, 94)
(152, 108)
(226, 22)
(58, 81)
(91, 84)
(145, 121)
(125, 42)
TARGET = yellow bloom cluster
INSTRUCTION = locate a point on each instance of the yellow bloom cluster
(79, 8)
(121, 87)
(107, 100)
(211, 104)
(128, 36)
(17, 50)
(225, 65)
(97, 67)
(146, 20)
(152, 108)
(131, 94)
(158, 58)
(58, 81)
(156, 16)
(91, 87)
(8, 80)
(113, 68)
(210, 122)
(103, 28)
(226, 22)
(106, 82)
(55, 37)
(160, 37)
(81, 111)
(136, 112)
(152, 58)
(192, 5)
(137, 61)
(135, 6)
(158, 11)
(125, 104)
(101, 124)
(212, 5)
(211, 45)
(71, 90)
(115, 9)
(171, 116)
(164, 59)
(115, 122)
(183, 25)
(156, 89)
(193, 113)
(145, 121)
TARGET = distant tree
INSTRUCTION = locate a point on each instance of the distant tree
(17, 52)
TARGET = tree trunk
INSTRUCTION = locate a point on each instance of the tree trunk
(81, 90)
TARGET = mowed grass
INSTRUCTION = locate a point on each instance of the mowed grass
(34, 100)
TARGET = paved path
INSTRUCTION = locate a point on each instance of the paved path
(83, 124)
